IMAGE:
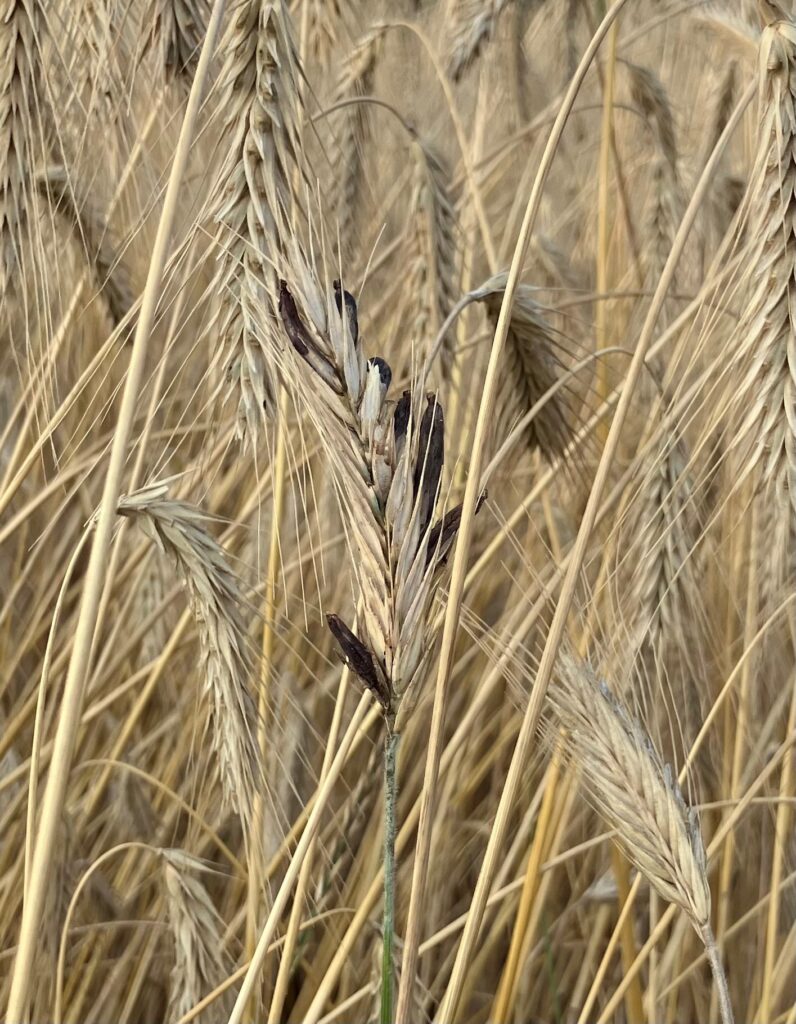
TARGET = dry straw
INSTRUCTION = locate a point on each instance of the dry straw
(698, 606)
(92, 591)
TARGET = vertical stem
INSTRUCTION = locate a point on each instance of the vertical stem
(506, 991)
(460, 410)
(781, 833)
(255, 880)
(652, 974)
(390, 795)
(297, 910)
(604, 218)
(35, 751)
(250, 979)
(738, 725)
(719, 977)
(634, 1005)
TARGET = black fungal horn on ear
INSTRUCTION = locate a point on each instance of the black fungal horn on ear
(359, 659)
(294, 327)
(340, 296)
(430, 460)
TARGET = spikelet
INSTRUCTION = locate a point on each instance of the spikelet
(664, 205)
(96, 50)
(764, 345)
(723, 104)
(473, 25)
(93, 234)
(663, 527)
(432, 248)
(773, 10)
(650, 96)
(217, 601)
(659, 601)
(197, 933)
(353, 127)
(174, 30)
(632, 789)
(20, 75)
(327, 29)
(259, 103)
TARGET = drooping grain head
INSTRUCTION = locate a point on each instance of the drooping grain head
(652, 100)
(662, 530)
(664, 203)
(352, 128)
(93, 235)
(328, 25)
(724, 102)
(531, 368)
(662, 614)
(217, 603)
(631, 788)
